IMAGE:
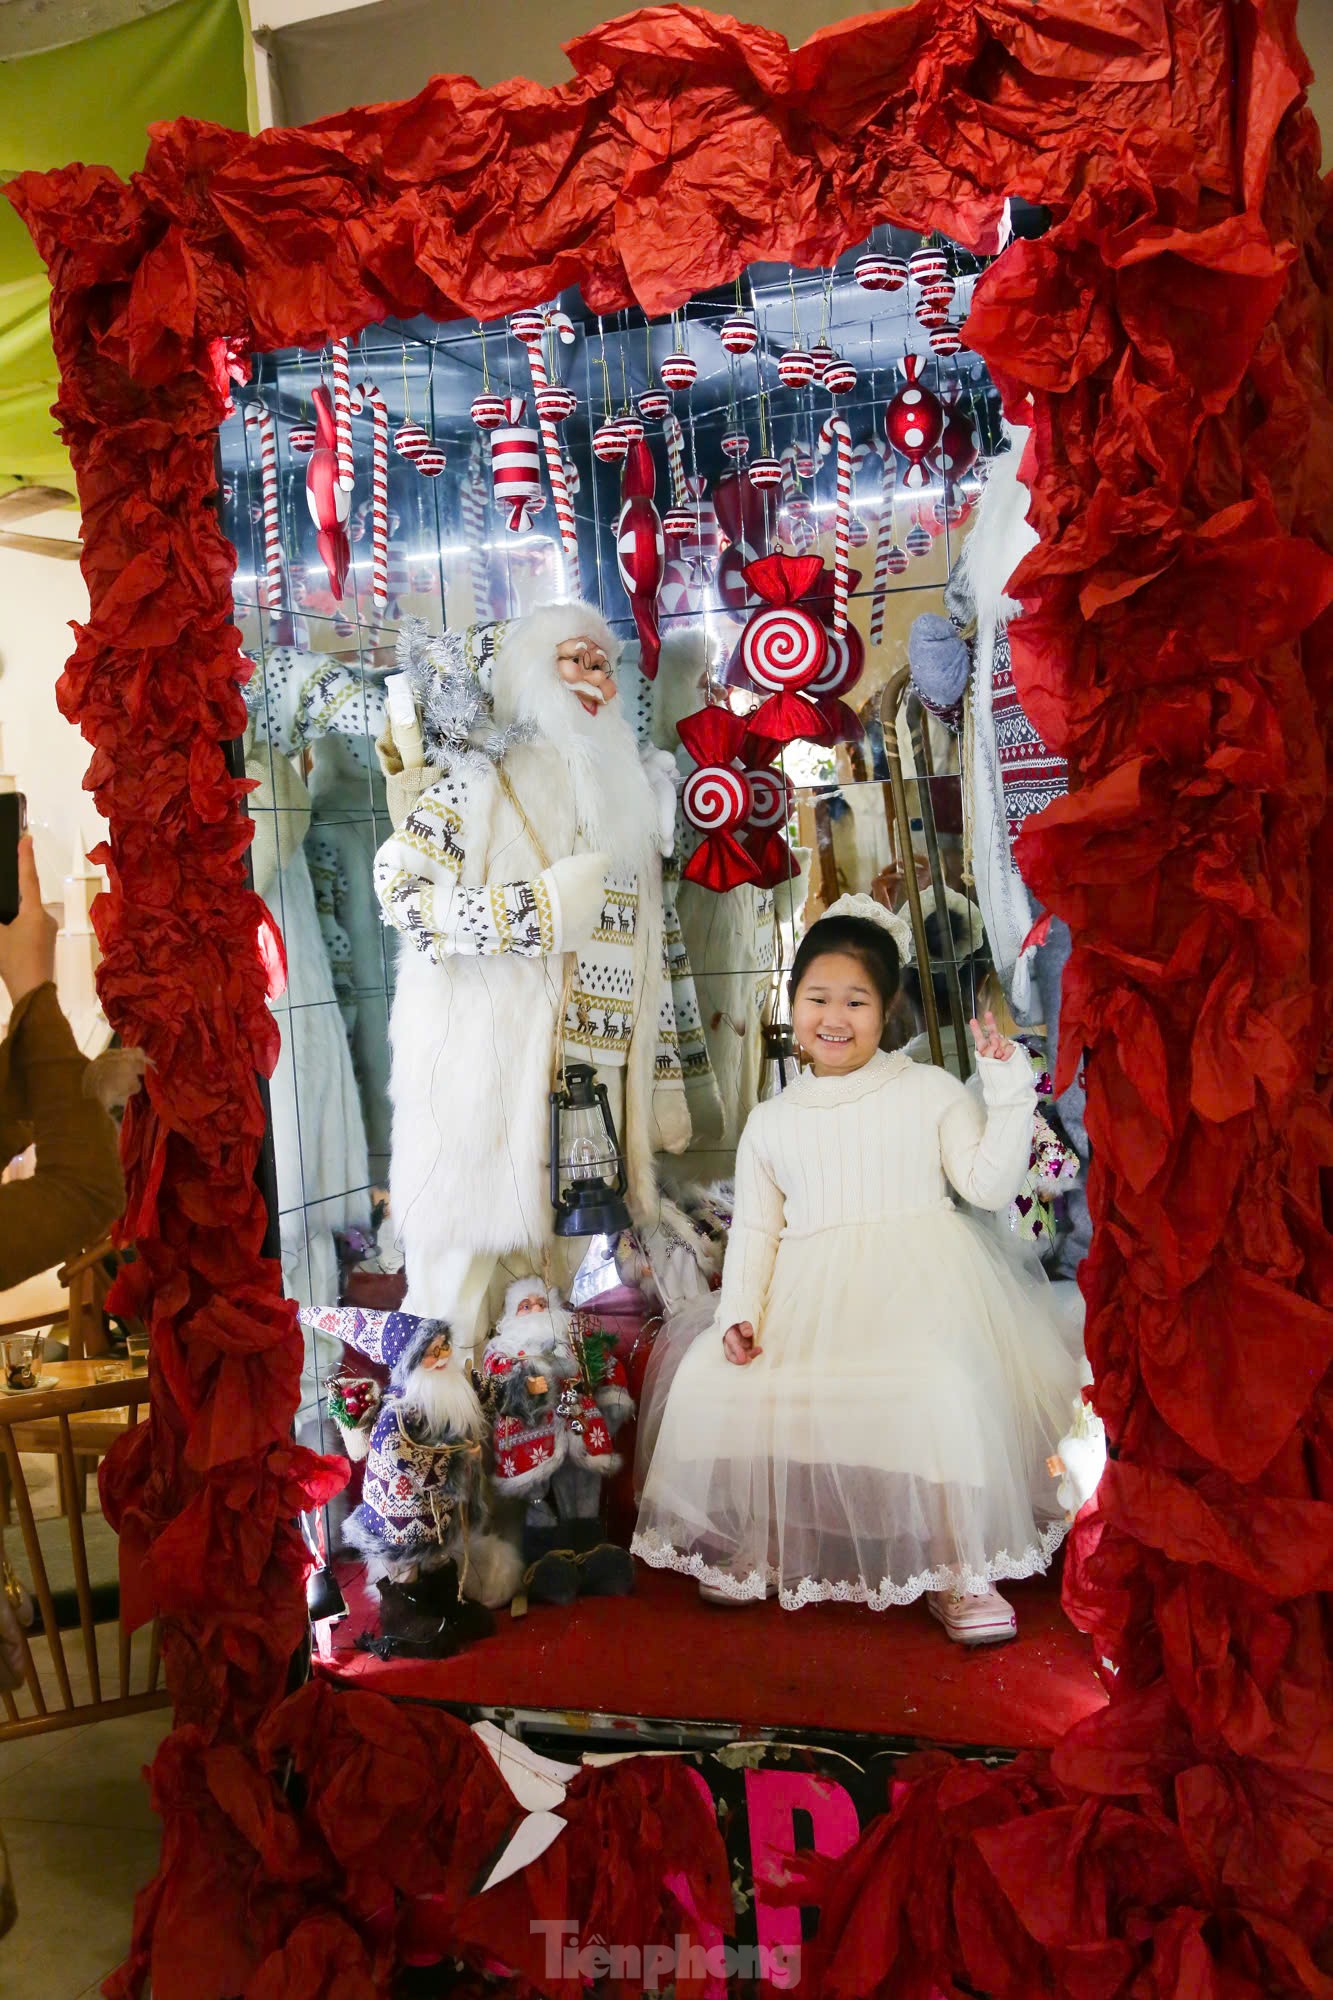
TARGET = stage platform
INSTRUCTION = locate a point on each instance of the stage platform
(664, 1656)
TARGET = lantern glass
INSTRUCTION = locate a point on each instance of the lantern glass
(588, 1184)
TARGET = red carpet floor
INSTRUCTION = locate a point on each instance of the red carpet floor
(663, 1653)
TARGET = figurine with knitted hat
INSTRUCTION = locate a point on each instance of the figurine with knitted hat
(558, 1396)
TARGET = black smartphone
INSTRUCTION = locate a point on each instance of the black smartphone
(13, 825)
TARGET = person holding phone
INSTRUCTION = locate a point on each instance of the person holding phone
(77, 1189)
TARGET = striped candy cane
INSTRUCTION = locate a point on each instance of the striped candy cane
(675, 449)
(260, 419)
(555, 463)
(342, 415)
(834, 431)
(802, 528)
(888, 483)
(474, 528)
(367, 393)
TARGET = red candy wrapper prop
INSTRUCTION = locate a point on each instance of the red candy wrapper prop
(741, 513)
(516, 467)
(913, 422)
(784, 647)
(842, 669)
(772, 803)
(716, 799)
(641, 550)
(329, 503)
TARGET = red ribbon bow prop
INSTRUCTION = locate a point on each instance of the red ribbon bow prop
(641, 550)
(784, 648)
(716, 798)
(329, 502)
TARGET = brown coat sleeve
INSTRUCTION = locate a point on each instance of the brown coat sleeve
(77, 1189)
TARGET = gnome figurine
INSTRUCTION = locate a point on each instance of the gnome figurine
(422, 1525)
(557, 1400)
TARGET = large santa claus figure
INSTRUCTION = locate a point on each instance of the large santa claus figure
(525, 878)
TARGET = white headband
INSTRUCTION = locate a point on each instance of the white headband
(871, 912)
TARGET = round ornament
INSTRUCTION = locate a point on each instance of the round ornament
(488, 413)
(843, 668)
(766, 471)
(631, 429)
(940, 290)
(431, 462)
(679, 371)
(913, 422)
(796, 368)
(527, 325)
(839, 377)
(917, 540)
(822, 354)
(924, 265)
(411, 439)
(930, 315)
(805, 464)
(739, 334)
(715, 798)
(896, 560)
(858, 534)
(609, 443)
(555, 402)
(654, 404)
(302, 438)
(783, 648)
(958, 444)
(677, 523)
(879, 274)
(735, 446)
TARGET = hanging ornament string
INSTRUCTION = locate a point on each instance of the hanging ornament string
(884, 543)
(368, 395)
(530, 329)
(342, 415)
(474, 531)
(258, 418)
(834, 431)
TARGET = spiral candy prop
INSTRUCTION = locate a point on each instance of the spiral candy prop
(716, 799)
(783, 647)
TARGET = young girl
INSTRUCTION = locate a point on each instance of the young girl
(869, 1415)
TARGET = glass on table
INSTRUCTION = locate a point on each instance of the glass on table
(22, 1354)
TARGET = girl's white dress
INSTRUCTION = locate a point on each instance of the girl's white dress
(892, 1436)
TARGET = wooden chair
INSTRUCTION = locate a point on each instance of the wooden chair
(87, 1280)
(112, 1656)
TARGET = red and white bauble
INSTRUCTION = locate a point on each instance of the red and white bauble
(879, 274)
(917, 541)
(555, 402)
(302, 439)
(896, 560)
(654, 404)
(822, 354)
(679, 371)
(677, 522)
(766, 471)
(431, 462)
(858, 534)
(796, 368)
(839, 377)
(739, 334)
(410, 440)
(488, 412)
(516, 467)
(735, 446)
(939, 291)
(913, 422)
(530, 324)
(959, 444)
(946, 339)
(930, 315)
(631, 428)
(805, 464)
(609, 442)
(923, 265)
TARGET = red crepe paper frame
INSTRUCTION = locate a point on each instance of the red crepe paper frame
(1176, 648)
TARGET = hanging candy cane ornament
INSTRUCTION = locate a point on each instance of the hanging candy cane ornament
(368, 395)
(783, 647)
(885, 546)
(675, 451)
(516, 467)
(257, 417)
(342, 412)
(716, 798)
(473, 507)
(641, 551)
(329, 503)
(529, 327)
(834, 433)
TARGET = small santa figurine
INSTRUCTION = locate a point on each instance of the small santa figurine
(558, 1397)
(422, 1525)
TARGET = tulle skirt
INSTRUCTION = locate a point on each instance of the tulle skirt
(890, 1439)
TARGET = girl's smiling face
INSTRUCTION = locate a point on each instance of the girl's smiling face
(837, 1014)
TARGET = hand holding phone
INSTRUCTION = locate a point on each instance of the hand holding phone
(28, 942)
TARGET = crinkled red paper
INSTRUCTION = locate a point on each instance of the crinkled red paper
(1173, 329)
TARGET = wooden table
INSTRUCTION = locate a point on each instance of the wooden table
(33, 1415)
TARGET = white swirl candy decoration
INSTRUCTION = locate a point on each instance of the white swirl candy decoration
(834, 432)
(260, 419)
(342, 416)
(782, 649)
(770, 798)
(715, 798)
(368, 395)
(529, 327)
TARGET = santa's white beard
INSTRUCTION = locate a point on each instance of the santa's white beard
(615, 803)
(443, 1403)
(531, 1333)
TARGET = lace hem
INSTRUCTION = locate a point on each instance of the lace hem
(658, 1553)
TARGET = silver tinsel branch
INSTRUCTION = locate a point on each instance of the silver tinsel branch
(457, 720)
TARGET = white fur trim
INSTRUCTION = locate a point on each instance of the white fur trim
(494, 1570)
(1000, 536)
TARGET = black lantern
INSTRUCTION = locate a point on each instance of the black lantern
(780, 1065)
(588, 1184)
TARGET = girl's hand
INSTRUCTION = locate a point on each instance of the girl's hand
(990, 1042)
(739, 1344)
(28, 945)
